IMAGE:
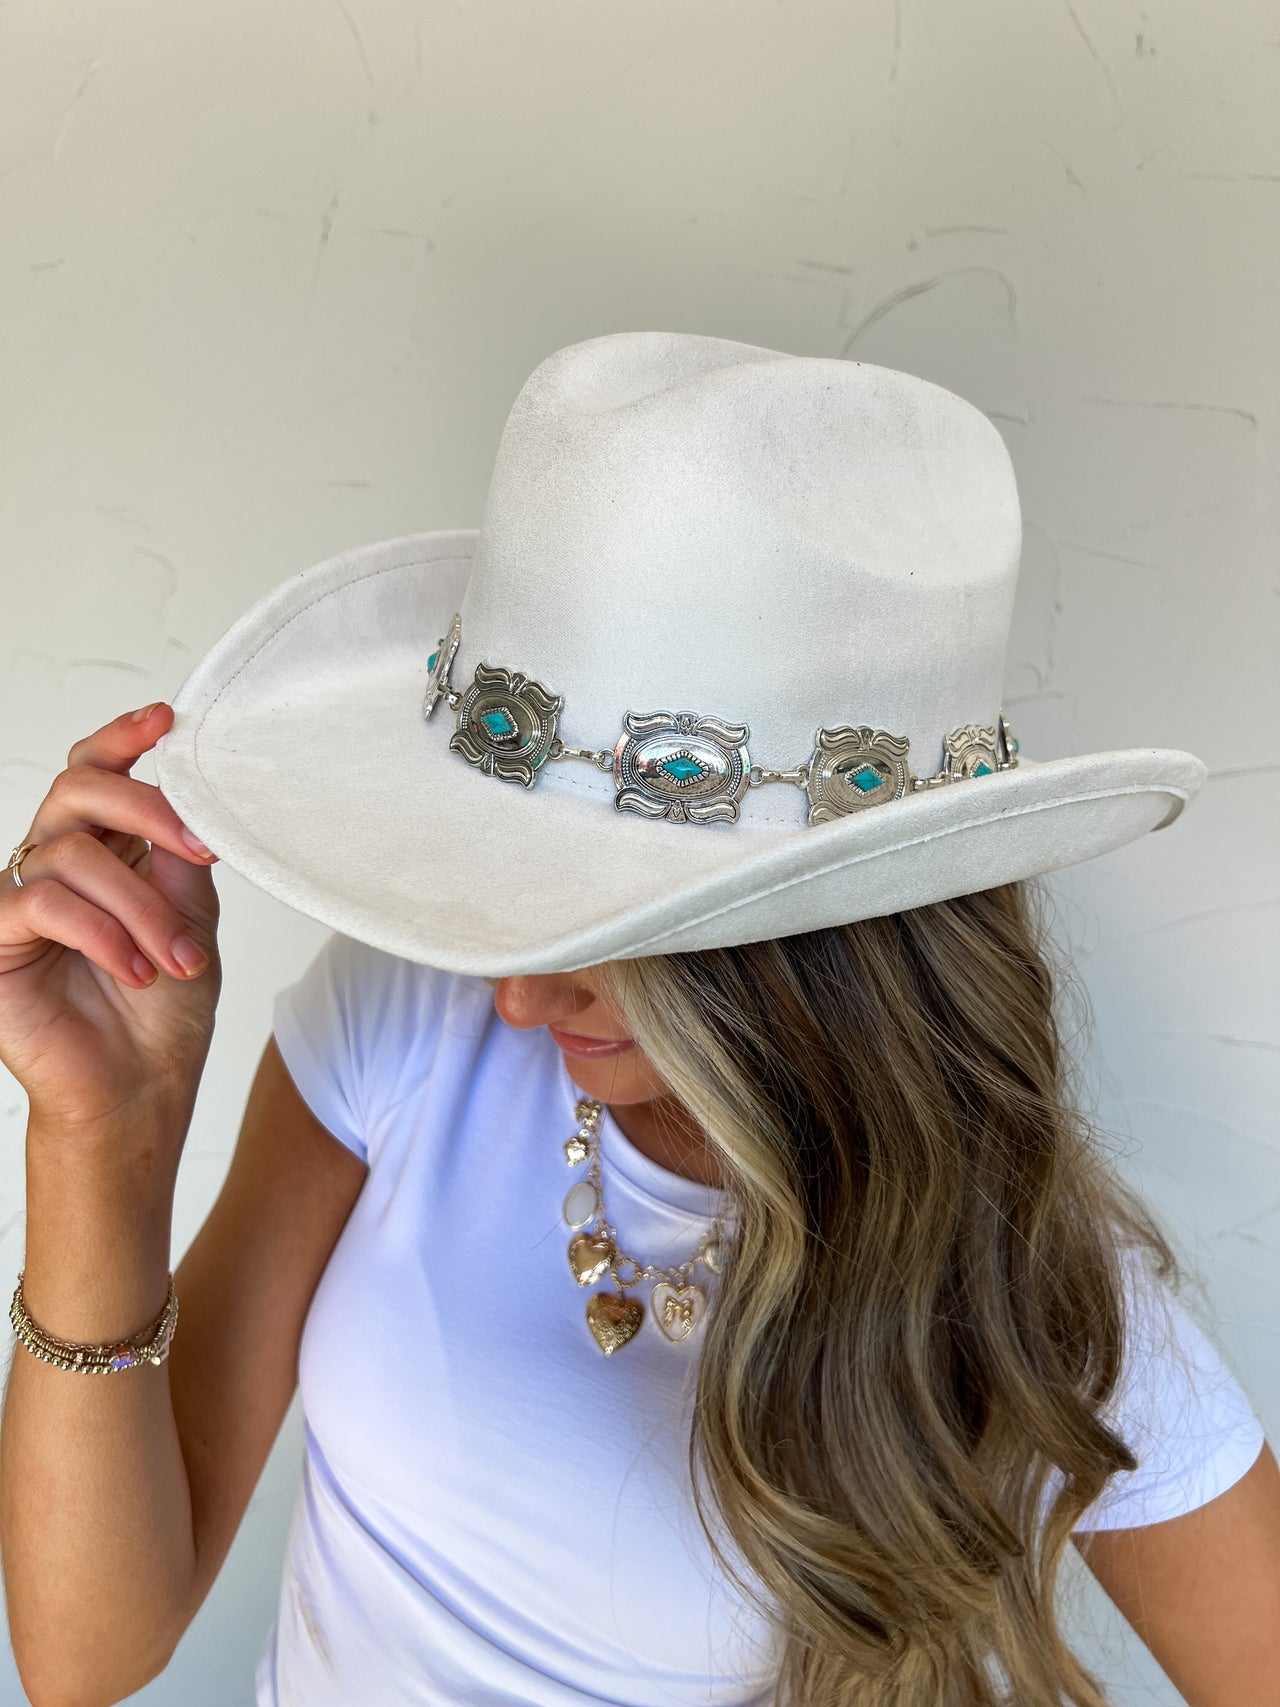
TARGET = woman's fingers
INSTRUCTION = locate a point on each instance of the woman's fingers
(46, 910)
(131, 849)
(62, 877)
(122, 742)
(86, 797)
(113, 750)
(186, 884)
(92, 828)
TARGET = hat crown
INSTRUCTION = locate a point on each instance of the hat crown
(678, 522)
(678, 525)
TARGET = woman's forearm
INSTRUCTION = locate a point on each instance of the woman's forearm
(95, 1506)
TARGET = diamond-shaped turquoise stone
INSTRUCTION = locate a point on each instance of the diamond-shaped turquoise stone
(981, 769)
(498, 722)
(681, 766)
(431, 661)
(866, 779)
(1016, 747)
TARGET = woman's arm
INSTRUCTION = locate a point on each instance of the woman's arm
(247, 1282)
(1203, 1590)
(120, 1497)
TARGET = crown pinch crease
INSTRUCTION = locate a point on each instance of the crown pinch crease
(690, 767)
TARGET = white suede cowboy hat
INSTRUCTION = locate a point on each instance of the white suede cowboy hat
(722, 662)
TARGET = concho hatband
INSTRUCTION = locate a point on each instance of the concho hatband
(685, 766)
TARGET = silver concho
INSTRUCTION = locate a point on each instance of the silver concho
(970, 751)
(438, 666)
(506, 724)
(682, 766)
(851, 769)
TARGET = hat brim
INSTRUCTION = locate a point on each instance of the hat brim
(300, 755)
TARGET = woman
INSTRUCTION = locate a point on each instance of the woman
(869, 1328)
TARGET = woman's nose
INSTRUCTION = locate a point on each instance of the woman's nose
(540, 998)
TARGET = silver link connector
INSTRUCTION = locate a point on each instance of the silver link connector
(756, 775)
(597, 756)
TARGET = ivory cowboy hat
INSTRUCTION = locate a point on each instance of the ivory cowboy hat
(723, 661)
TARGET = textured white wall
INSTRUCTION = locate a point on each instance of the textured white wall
(273, 272)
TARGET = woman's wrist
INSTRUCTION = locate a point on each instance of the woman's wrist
(152, 1122)
(98, 1231)
(138, 1132)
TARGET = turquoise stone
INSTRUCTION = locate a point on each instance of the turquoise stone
(682, 767)
(867, 778)
(982, 770)
(431, 661)
(498, 722)
(1016, 747)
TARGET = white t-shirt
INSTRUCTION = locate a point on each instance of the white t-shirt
(490, 1510)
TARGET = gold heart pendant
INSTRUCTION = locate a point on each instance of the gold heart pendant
(614, 1319)
(589, 1257)
(677, 1309)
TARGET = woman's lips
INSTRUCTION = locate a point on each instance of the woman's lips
(589, 1048)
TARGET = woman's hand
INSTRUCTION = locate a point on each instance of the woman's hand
(94, 1034)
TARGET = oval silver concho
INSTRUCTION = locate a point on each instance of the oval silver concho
(506, 724)
(680, 765)
(851, 769)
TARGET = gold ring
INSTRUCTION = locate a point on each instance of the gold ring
(15, 860)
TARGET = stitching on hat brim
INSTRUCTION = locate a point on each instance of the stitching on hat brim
(913, 841)
(419, 562)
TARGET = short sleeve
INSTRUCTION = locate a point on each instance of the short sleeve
(1179, 1409)
(353, 1030)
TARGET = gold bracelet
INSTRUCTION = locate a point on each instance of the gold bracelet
(149, 1346)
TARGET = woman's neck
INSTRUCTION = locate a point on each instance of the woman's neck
(671, 1139)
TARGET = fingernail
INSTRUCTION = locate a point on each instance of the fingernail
(189, 955)
(142, 716)
(195, 844)
(142, 968)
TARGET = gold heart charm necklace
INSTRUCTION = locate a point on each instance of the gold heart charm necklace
(614, 1319)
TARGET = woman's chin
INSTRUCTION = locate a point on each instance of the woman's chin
(610, 1079)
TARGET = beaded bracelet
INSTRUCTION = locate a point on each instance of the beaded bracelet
(149, 1346)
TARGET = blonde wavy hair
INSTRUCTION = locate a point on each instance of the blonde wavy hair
(923, 1314)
